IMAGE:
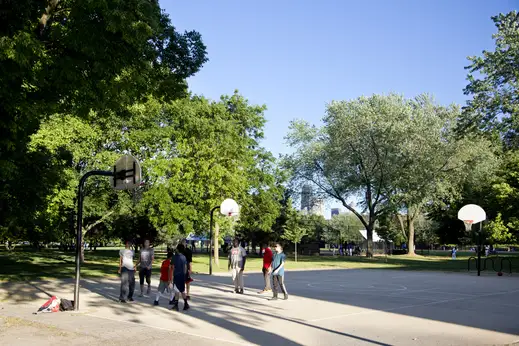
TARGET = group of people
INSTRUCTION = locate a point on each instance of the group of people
(175, 272)
(273, 269)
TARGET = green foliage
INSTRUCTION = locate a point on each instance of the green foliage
(343, 228)
(85, 58)
(498, 232)
(493, 84)
(294, 229)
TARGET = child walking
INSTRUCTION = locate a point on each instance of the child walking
(278, 273)
(166, 276)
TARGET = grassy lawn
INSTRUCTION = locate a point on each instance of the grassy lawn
(25, 264)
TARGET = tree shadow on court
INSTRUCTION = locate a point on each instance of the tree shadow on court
(486, 302)
(223, 311)
(452, 298)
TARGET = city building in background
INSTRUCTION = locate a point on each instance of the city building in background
(310, 203)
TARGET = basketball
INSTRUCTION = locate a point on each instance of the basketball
(500, 274)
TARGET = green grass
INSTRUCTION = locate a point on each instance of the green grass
(23, 264)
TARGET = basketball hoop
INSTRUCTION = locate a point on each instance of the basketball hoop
(468, 224)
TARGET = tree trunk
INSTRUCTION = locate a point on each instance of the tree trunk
(402, 227)
(82, 256)
(410, 236)
(369, 236)
(216, 244)
(9, 245)
(296, 251)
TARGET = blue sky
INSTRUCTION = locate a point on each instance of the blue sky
(296, 56)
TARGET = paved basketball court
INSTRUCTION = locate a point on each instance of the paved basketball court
(329, 307)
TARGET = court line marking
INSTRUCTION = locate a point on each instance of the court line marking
(371, 311)
(374, 294)
(169, 330)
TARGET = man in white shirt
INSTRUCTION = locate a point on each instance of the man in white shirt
(127, 271)
(237, 259)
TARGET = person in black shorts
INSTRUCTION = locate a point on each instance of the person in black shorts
(189, 258)
(179, 269)
(146, 258)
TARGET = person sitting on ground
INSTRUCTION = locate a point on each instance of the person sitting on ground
(179, 270)
(146, 258)
(166, 276)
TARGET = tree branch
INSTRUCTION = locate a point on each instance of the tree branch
(102, 219)
(49, 10)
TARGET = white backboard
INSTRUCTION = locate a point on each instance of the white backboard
(472, 212)
(128, 173)
(229, 207)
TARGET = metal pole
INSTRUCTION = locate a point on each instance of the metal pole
(79, 230)
(479, 247)
(211, 241)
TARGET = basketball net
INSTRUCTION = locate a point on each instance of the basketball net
(468, 224)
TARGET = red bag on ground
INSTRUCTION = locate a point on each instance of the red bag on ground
(51, 305)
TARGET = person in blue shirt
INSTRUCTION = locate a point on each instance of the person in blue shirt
(278, 273)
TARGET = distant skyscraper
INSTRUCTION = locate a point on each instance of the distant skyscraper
(335, 211)
(306, 198)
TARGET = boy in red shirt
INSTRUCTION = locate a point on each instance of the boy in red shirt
(267, 262)
(166, 275)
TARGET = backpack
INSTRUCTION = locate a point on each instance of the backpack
(51, 305)
(66, 305)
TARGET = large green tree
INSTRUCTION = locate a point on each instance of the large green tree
(494, 84)
(86, 58)
(493, 111)
(357, 153)
(435, 161)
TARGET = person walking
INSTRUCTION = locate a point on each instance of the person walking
(146, 258)
(179, 271)
(278, 273)
(166, 276)
(237, 259)
(127, 272)
(189, 258)
(266, 269)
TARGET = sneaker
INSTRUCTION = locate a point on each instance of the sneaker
(188, 297)
(262, 292)
(240, 291)
(274, 298)
(286, 297)
(148, 291)
(156, 303)
(141, 294)
(131, 300)
(186, 307)
(175, 307)
(122, 301)
(171, 302)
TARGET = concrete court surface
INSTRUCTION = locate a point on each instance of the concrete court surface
(326, 307)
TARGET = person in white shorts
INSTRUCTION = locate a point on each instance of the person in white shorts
(237, 259)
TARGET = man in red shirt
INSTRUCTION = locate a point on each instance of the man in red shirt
(267, 261)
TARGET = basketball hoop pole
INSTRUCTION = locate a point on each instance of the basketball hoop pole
(211, 241)
(479, 247)
(79, 230)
